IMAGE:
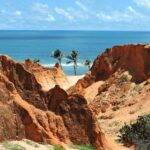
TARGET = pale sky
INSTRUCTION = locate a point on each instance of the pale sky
(75, 15)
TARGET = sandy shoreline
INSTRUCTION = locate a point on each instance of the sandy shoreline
(74, 79)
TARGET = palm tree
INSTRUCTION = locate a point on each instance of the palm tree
(57, 54)
(73, 58)
(88, 63)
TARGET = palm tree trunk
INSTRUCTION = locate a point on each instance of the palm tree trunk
(60, 64)
(75, 69)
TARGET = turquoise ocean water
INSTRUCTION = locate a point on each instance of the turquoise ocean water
(21, 45)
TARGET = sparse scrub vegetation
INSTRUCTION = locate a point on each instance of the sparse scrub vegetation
(32, 143)
(111, 116)
(138, 88)
(57, 147)
(125, 77)
(136, 132)
(114, 123)
(11, 146)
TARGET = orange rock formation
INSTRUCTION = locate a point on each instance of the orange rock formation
(51, 117)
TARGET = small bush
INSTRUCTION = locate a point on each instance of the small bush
(138, 88)
(125, 77)
(136, 132)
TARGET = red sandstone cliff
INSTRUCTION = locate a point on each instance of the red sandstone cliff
(53, 117)
(118, 86)
(132, 58)
(47, 77)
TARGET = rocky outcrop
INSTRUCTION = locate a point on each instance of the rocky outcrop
(27, 121)
(11, 126)
(51, 117)
(132, 58)
(24, 81)
(47, 77)
(55, 97)
(82, 84)
(78, 118)
(80, 122)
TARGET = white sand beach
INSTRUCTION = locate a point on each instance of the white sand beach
(74, 79)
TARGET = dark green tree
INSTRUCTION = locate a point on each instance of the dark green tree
(136, 132)
(57, 54)
(88, 63)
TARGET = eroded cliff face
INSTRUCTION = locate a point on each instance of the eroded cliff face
(24, 81)
(132, 58)
(52, 117)
(10, 121)
(47, 77)
(118, 86)
(120, 101)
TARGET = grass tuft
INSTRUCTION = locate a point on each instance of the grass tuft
(57, 147)
(84, 147)
(10, 146)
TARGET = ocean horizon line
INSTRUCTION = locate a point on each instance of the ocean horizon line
(82, 30)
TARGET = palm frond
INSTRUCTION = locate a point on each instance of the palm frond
(69, 57)
(68, 62)
(87, 62)
(56, 54)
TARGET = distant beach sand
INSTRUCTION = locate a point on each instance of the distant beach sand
(73, 80)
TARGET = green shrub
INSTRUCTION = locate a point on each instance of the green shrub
(57, 147)
(137, 132)
(84, 147)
